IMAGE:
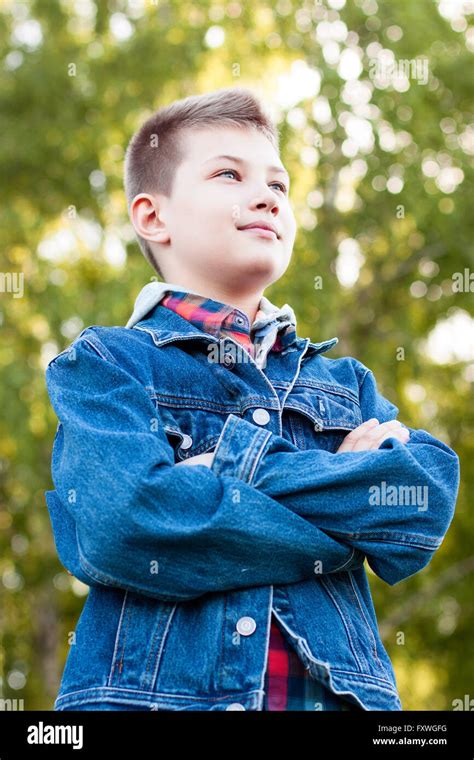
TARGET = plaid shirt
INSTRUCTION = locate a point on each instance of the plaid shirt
(288, 685)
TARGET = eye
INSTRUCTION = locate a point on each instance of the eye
(227, 171)
(281, 186)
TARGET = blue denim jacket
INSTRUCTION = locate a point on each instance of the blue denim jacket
(186, 564)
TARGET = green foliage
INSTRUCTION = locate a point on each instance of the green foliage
(70, 102)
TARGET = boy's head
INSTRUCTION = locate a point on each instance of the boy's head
(187, 205)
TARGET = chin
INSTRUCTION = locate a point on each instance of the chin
(260, 264)
(271, 253)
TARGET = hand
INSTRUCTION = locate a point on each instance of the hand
(205, 459)
(371, 434)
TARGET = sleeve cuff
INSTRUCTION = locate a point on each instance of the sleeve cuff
(239, 449)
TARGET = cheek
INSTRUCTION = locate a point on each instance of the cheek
(193, 221)
(214, 210)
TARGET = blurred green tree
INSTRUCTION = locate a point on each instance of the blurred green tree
(373, 101)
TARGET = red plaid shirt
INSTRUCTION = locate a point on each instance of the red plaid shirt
(288, 685)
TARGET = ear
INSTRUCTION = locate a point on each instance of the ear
(146, 215)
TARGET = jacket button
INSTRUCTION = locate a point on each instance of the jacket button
(235, 706)
(187, 442)
(246, 626)
(318, 427)
(261, 416)
(228, 361)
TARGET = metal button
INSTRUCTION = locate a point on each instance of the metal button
(228, 361)
(261, 416)
(187, 441)
(235, 706)
(246, 626)
(318, 427)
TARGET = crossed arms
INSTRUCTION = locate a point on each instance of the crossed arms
(264, 513)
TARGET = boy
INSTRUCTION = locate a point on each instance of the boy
(219, 483)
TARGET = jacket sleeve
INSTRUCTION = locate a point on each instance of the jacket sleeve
(394, 503)
(124, 515)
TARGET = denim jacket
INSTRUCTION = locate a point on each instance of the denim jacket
(186, 564)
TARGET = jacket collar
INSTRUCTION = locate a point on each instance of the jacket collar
(166, 326)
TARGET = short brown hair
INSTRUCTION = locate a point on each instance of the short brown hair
(145, 173)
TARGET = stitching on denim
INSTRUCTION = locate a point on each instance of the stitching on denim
(122, 656)
(192, 336)
(327, 583)
(162, 644)
(102, 691)
(309, 412)
(259, 455)
(336, 390)
(361, 383)
(251, 450)
(104, 353)
(208, 443)
(296, 431)
(222, 446)
(191, 402)
(224, 618)
(157, 629)
(347, 562)
(117, 639)
(365, 618)
(408, 539)
(351, 675)
(243, 468)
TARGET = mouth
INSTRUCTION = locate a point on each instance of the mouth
(262, 231)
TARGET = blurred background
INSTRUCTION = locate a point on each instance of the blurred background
(373, 100)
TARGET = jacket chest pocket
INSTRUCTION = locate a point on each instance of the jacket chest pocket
(321, 418)
(190, 431)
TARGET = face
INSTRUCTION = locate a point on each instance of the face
(198, 227)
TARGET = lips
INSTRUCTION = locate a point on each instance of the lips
(269, 234)
(262, 226)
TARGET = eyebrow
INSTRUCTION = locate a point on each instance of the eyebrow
(244, 163)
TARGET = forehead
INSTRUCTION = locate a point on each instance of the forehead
(201, 145)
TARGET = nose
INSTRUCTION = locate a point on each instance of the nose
(267, 200)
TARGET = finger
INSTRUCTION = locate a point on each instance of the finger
(358, 432)
(387, 430)
(373, 438)
(401, 435)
